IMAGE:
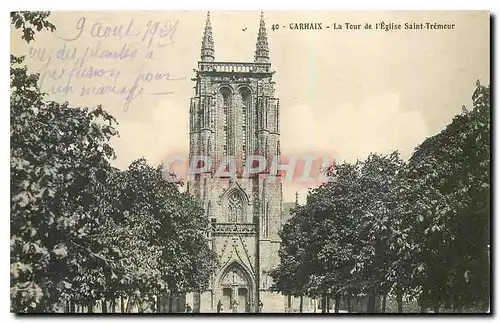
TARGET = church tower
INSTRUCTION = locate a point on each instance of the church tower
(234, 115)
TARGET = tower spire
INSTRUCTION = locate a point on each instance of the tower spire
(262, 49)
(207, 44)
(296, 198)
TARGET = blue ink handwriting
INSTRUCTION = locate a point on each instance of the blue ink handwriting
(83, 68)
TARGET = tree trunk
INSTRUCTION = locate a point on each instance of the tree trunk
(72, 307)
(113, 305)
(328, 303)
(399, 298)
(159, 302)
(104, 306)
(122, 304)
(323, 303)
(301, 303)
(370, 306)
(435, 309)
(349, 306)
(90, 309)
(337, 303)
(140, 304)
(384, 302)
(422, 309)
(130, 303)
(289, 303)
(170, 303)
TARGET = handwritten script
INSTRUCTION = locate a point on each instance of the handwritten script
(114, 59)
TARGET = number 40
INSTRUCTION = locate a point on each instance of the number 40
(275, 27)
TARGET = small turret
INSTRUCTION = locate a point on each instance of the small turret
(262, 48)
(207, 44)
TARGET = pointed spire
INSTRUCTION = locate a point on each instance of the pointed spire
(262, 49)
(207, 44)
(296, 198)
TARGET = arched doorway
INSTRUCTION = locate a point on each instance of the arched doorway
(235, 284)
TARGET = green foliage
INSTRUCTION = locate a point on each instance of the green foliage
(449, 179)
(417, 231)
(81, 230)
(290, 276)
(29, 22)
(58, 156)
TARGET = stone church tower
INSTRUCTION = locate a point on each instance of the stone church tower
(234, 113)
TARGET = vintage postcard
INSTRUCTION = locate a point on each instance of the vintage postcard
(307, 162)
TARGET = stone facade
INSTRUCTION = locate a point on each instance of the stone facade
(234, 113)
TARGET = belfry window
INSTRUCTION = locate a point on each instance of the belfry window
(246, 99)
(225, 98)
(226, 104)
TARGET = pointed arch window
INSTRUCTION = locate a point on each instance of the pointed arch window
(235, 207)
(246, 99)
(226, 105)
(226, 97)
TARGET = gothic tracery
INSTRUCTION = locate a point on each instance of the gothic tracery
(235, 209)
(232, 116)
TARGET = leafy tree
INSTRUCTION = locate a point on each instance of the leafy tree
(291, 276)
(58, 157)
(337, 214)
(418, 230)
(166, 246)
(30, 22)
(450, 177)
(318, 242)
(81, 230)
(402, 247)
(378, 203)
(57, 154)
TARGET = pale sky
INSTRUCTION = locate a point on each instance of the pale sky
(344, 93)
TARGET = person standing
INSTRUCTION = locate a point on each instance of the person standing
(188, 308)
(261, 305)
(235, 306)
(219, 306)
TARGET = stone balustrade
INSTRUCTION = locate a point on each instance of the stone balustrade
(234, 67)
(233, 228)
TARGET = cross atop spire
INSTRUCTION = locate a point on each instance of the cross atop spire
(207, 44)
(262, 49)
